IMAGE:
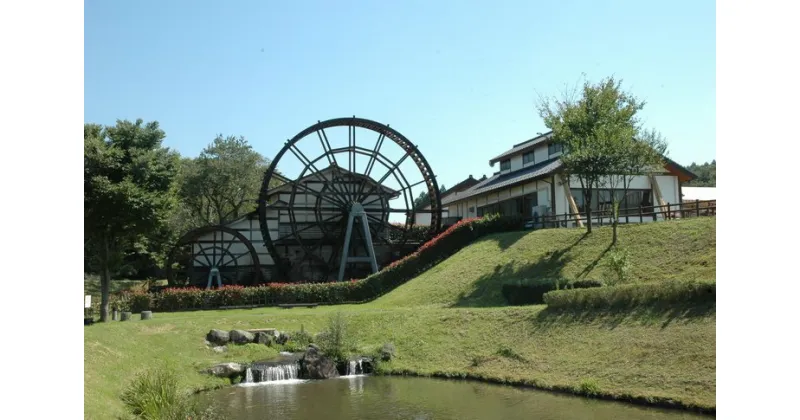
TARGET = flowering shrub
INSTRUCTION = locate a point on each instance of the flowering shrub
(429, 254)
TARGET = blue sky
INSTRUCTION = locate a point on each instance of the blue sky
(461, 79)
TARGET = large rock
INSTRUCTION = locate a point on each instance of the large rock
(264, 338)
(218, 337)
(226, 370)
(282, 338)
(315, 365)
(242, 337)
(387, 352)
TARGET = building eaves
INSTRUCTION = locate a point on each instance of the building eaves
(522, 147)
(499, 181)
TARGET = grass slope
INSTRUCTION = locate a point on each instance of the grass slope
(673, 250)
(649, 353)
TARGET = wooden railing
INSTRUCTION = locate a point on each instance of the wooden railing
(697, 208)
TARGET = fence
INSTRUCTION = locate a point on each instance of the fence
(697, 208)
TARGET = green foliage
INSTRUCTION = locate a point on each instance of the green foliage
(589, 387)
(129, 194)
(387, 352)
(337, 339)
(509, 353)
(706, 174)
(531, 291)
(221, 184)
(601, 135)
(397, 273)
(155, 395)
(633, 295)
(620, 265)
(299, 340)
(424, 199)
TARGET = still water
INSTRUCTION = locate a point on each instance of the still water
(382, 397)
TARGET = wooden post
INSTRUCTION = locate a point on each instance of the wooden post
(641, 217)
(656, 192)
(571, 200)
(697, 205)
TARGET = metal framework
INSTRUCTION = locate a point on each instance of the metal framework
(197, 260)
(349, 206)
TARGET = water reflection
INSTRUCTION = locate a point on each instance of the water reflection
(367, 397)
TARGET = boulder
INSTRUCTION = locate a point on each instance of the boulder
(387, 352)
(315, 365)
(282, 338)
(242, 337)
(264, 338)
(220, 349)
(226, 370)
(218, 337)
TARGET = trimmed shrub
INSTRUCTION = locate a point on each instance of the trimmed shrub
(631, 295)
(429, 254)
(532, 291)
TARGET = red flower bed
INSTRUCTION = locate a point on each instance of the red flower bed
(429, 254)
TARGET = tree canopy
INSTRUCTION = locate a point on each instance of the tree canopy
(222, 183)
(706, 174)
(129, 194)
(601, 135)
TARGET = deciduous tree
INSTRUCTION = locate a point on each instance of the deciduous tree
(129, 193)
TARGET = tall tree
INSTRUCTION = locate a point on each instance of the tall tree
(423, 199)
(706, 174)
(222, 183)
(590, 127)
(639, 156)
(129, 192)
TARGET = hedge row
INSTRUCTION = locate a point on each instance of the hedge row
(632, 295)
(532, 291)
(429, 254)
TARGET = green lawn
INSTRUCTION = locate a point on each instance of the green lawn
(450, 321)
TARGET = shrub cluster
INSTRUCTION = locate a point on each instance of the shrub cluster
(632, 295)
(532, 291)
(429, 254)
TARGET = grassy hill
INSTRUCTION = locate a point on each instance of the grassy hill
(674, 250)
(451, 321)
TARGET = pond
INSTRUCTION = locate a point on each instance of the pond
(387, 397)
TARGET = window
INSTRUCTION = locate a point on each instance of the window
(553, 148)
(505, 165)
(527, 158)
(513, 207)
(628, 204)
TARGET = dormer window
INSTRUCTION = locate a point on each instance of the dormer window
(554, 148)
(527, 158)
(505, 165)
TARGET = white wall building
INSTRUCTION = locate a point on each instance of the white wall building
(530, 183)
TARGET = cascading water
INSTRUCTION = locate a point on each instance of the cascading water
(266, 373)
(354, 367)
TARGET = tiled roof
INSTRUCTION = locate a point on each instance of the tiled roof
(522, 147)
(499, 181)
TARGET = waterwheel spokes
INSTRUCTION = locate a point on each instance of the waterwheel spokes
(211, 249)
(316, 203)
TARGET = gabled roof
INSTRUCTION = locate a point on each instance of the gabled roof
(523, 147)
(461, 186)
(331, 167)
(499, 181)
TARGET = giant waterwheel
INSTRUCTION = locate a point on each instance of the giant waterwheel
(346, 201)
(213, 256)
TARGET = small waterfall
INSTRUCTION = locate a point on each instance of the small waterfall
(354, 367)
(258, 373)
